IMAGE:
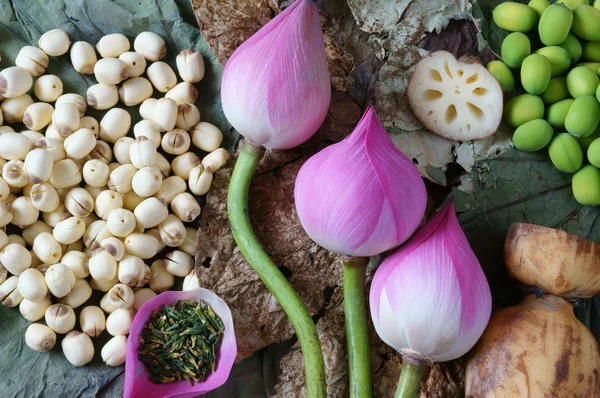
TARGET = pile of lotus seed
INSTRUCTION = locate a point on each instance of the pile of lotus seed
(92, 204)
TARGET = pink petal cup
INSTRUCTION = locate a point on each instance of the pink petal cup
(137, 384)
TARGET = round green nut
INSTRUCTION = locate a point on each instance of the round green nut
(557, 113)
(593, 153)
(591, 51)
(597, 4)
(556, 91)
(522, 109)
(586, 22)
(502, 74)
(573, 47)
(582, 81)
(535, 74)
(533, 136)
(583, 116)
(565, 153)
(594, 66)
(559, 58)
(585, 142)
(555, 24)
(539, 6)
(514, 17)
(515, 48)
(598, 93)
(572, 3)
(586, 186)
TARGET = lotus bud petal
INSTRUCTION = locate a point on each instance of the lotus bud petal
(430, 299)
(362, 196)
(280, 66)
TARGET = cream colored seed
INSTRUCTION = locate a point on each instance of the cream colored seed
(32, 231)
(94, 234)
(14, 82)
(106, 202)
(102, 96)
(57, 215)
(34, 136)
(95, 173)
(114, 351)
(34, 311)
(163, 165)
(141, 245)
(200, 180)
(216, 159)
(102, 152)
(81, 293)
(60, 318)
(121, 149)
(188, 116)
(66, 118)
(44, 197)
(134, 62)
(121, 222)
(160, 279)
(206, 136)
(79, 144)
(179, 263)
(48, 88)
(4, 189)
(24, 213)
(131, 200)
(114, 125)
(38, 115)
(103, 286)
(148, 129)
(120, 178)
(165, 114)
(38, 165)
(3, 242)
(150, 45)
(146, 181)
(91, 123)
(79, 202)
(74, 99)
(55, 147)
(190, 65)
(33, 60)
(120, 296)
(75, 246)
(102, 265)
(147, 108)
(94, 191)
(172, 231)
(190, 282)
(189, 245)
(185, 207)
(142, 152)
(161, 76)
(92, 321)
(83, 57)
(14, 174)
(144, 276)
(78, 348)
(69, 231)
(150, 213)
(115, 247)
(110, 71)
(55, 42)
(183, 93)
(118, 323)
(176, 142)
(171, 187)
(14, 146)
(32, 285)
(9, 294)
(130, 267)
(13, 109)
(6, 129)
(60, 280)
(77, 261)
(49, 251)
(113, 45)
(183, 164)
(40, 337)
(135, 91)
(142, 296)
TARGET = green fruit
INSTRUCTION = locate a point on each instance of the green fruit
(502, 74)
(572, 3)
(515, 17)
(557, 113)
(583, 116)
(586, 22)
(586, 185)
(515, 48)
(597, 4)
(565, 153)
(522, 109)
(591, 51)
(539, 6)
(585, 142)
(593, 153)
(559, 59)
(556, 91)
(593, 66)
(573, 47)
(598, 93)
(555, 24)
(535, 74)
(533, 135)
(582, 81)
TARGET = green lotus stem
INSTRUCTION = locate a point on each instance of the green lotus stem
(359, 361)
(269, 273)
(410, 377)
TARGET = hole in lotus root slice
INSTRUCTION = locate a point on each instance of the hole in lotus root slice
(435, 75)
(447, 69)
(432, 95)
(480, 91)
(451, 114)
(460, 73)
(475, 110)
(473, 78)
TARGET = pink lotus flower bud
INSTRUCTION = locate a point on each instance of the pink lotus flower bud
(276, 88)
(430, 298)
(361, 196)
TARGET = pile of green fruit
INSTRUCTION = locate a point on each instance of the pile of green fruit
(560, 85)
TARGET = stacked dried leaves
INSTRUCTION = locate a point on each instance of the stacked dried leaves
(372, 47)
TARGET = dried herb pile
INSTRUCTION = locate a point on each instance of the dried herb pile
(180, 342)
